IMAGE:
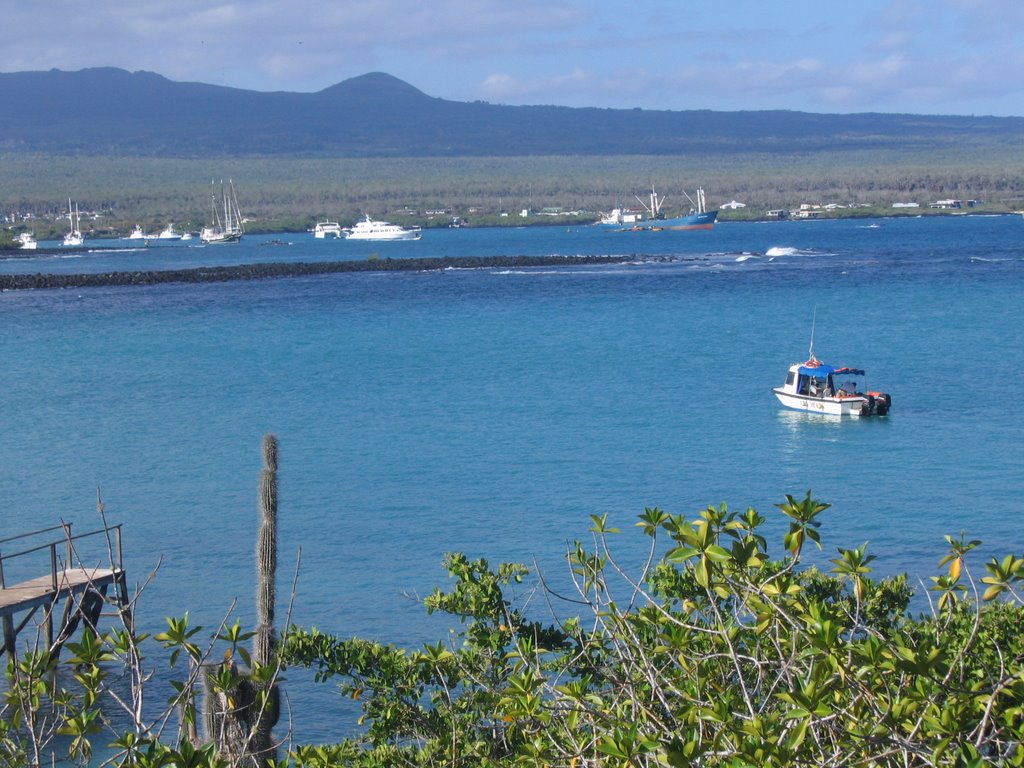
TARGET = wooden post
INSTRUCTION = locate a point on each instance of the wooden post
(67, 539)
(53, 566)
(8, 623)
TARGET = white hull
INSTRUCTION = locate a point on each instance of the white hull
(368, 229)
(27, 241)
(383, 236)
(169, 234)
(832, 406)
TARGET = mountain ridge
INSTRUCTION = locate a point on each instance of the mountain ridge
(110, 111)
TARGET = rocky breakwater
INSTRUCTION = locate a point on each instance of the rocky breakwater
(278, 270)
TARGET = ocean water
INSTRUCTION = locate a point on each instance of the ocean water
(491, 411)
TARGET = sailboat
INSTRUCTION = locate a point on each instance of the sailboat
(226, 226)
(74, 237)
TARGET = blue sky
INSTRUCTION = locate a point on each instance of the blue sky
(935, 57)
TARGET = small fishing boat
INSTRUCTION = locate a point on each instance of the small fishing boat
(837, 391)
(137, 234)
(27, 241)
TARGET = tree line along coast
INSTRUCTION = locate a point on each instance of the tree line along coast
(116, 195)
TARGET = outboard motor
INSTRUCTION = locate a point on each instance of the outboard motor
(879, 403)
(882, 403)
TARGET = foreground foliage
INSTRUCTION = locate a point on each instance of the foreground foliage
(715, 654)
(717, 651)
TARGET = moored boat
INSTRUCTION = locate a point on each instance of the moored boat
(699, 216)
(74, 238)
(137, 234)
(226, 227)
(324, 229)
(369, 229)
(169, 233)
(27, 241)
(837, 391)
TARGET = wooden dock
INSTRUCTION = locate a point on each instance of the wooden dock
(82, 589)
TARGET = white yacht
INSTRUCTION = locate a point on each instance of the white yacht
(169, 233)
(368, 229)
(324, 229)
(27, 241)
(137, 234)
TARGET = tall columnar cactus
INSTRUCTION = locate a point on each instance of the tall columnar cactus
(264, 644)
(266, 557)
(239, 716)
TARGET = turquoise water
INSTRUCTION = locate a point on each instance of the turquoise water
(491, 411)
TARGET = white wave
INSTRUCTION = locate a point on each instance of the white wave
(532, 272)
(745, 256)
(987, 261)
(776, 250)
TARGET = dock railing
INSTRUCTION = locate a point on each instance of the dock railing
(67, 543)
(83, 587)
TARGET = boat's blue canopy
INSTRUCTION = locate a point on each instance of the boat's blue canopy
(821, 371)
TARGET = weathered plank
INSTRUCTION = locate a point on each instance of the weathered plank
(40, 592)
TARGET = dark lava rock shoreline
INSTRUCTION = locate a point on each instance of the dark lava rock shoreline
(277, 269)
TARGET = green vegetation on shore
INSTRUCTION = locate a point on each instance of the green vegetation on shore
(290, 194)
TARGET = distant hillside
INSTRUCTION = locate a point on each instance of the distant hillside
(113, 112)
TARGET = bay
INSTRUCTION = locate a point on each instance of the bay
(491, 411)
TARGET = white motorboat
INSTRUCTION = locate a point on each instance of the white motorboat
(27, 241)
(137, 234)
(819, 388)
(226, 227)
(368, 229)
(74, 238)
(169, 233)
(324, 229)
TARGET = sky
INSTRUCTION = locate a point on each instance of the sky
(936, 57)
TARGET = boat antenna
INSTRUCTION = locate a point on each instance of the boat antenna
(814, 318)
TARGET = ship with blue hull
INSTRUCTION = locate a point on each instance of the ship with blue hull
(655, 219)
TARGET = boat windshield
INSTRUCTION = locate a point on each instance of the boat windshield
(848, 383)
